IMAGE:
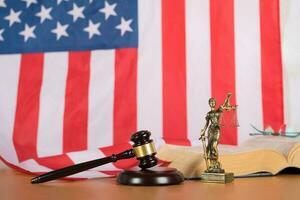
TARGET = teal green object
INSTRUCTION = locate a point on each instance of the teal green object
(284, 134)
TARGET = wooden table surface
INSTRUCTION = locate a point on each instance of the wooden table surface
(16, 186)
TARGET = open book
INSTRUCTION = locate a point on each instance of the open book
(260, 154)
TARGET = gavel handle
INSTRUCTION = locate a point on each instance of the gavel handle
(67, 171)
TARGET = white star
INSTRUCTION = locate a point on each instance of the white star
(90, 1)
(13, 17)
(44, 14)
(1, 37)
(76, 12)
(124, 26)
(108, 10)
(60, 30)
(29, 2)
(59, 1)
(92, 29)
(2, 3)
(28, 32)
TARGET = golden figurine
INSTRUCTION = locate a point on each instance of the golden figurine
(214, 171)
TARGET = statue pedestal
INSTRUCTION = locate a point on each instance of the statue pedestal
(216, 177)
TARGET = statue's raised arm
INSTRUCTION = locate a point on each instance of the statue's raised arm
(226, 105)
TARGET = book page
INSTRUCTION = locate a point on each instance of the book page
(262, 153)
(198, 149)
(278, 143)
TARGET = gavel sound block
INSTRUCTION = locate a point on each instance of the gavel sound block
(143, 149)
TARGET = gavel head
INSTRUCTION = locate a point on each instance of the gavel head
(144, 149)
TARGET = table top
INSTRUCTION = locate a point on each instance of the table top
(15, 186)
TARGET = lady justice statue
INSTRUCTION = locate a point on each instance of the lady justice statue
(214, 171)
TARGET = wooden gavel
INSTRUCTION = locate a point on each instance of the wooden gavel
(143, 149)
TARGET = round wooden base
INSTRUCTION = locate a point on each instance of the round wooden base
(150, 177)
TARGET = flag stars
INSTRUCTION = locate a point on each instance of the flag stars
(2, 3)
(1, 32)
(93, 29)
(28, 32)
(44, 14)
(77, 12)
(59, 1)
(29, 2)
(124, 26)
(108, 10)
(60, 30)
(13, 17)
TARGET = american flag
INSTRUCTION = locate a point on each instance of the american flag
(78, 77)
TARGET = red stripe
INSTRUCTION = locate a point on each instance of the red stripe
(222, 58)
(174, 72)
(121, 164)
(271, 64)
(76, 102)
(125, 97)
(27, 108)
(111, 173)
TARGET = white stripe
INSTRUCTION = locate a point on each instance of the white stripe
(248, 66)
(32, 166)
(9, 78)
(149, 80)
(101, 98)
(290, 18)
(159, 142)
(89, 174)
(198, 65)
(50, 127)
(84, 156)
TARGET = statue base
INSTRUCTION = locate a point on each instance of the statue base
(150, 177)
(207, 177)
